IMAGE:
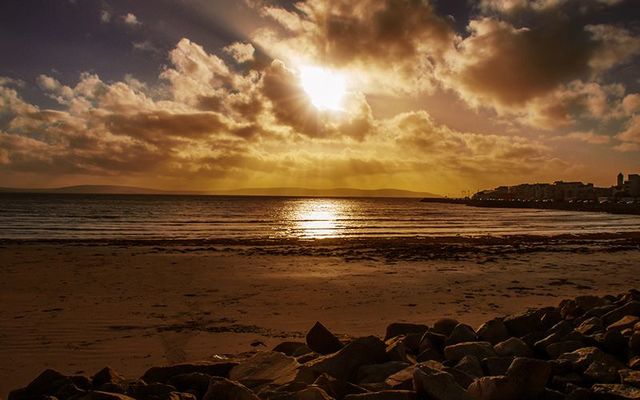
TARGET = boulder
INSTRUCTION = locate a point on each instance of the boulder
(106, 375)
(432, 340)
(531, 375)
(524, 323)
(614, 342)
(630, 308)
(163, 374)
(471, 366)
(397, 351)
(266, 367)
(444, 326)
(437, 385)
(496, 365)
(634, 342)
(401, 328)
(337, 388)
(401, 380)
(194, 382)
(494, 388)
(378, 372)
(224, 389)
(152, 391)
(493, 331)
(385, 395)
(514, 346)
(480, 350)
(590, 326)
(615, 392)
(581, 359)
(321, 340)
(293, 349)
(626, 322)
(603, 371)
(48, 383)
(312, 393)
(461, 333)
(344, 363)
(98, 395)
(630, 377)
(555, 350)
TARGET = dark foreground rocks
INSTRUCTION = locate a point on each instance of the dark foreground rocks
(586, 348)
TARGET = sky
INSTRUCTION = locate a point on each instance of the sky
(441, 96)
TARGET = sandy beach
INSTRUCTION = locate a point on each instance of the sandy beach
(78, 307)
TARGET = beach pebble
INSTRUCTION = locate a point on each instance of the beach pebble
(321, 340)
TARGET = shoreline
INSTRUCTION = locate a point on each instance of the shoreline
(83, 306)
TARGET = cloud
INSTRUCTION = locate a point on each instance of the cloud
(241, 52)
(131, 19)
(208, 125)
(588, 137)
(105, 16)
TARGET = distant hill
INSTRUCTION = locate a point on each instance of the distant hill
(284, 191)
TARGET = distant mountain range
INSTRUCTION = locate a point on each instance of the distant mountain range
(283, 191)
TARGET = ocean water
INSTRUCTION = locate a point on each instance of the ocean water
(74, 216)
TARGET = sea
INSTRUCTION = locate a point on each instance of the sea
(172, 217)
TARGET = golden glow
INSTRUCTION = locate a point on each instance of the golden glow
(318, 218)
(326, 89)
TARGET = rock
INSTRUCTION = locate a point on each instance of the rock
(293, 349)
(480, 350)
(530, 375)
(71, 390)
(581, 359)
(401, 380)
(378, 372)
(626, 322)
(630, 377)
(152, 391)
(224, 389)
(515, 347)
(630, 308)
(266, 367)
(496, 365)
(471, 366)
(194, 382)
(444, 326)
(493, 331)
(615, 392)
(98, 395)
(400, 328)
(586, 303)
(337, 388)
(601, 371)
(437, 385)
(312, 393)
(494, 388)
(397, 351)
(550, 394)
(321, 340)
(385, 395)
(590, 326)
(555, 350)
(46, 384)
(461, 333)
(634, 342)
(429, 354)
(180, 396)
(523, 323)
(307, 357)
(614, 342)
(432, 340)
(163, 374)
(345, 363)
(634, 362)
(106, 375)
(562, 381)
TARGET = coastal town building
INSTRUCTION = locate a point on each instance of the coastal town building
(565, 191)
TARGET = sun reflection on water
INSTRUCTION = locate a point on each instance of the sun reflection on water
(318, 218)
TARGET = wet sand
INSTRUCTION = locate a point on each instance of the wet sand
(77, 307)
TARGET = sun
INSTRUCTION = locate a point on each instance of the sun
(326, 89)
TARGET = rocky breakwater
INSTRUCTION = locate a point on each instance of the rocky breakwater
(586, 348)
